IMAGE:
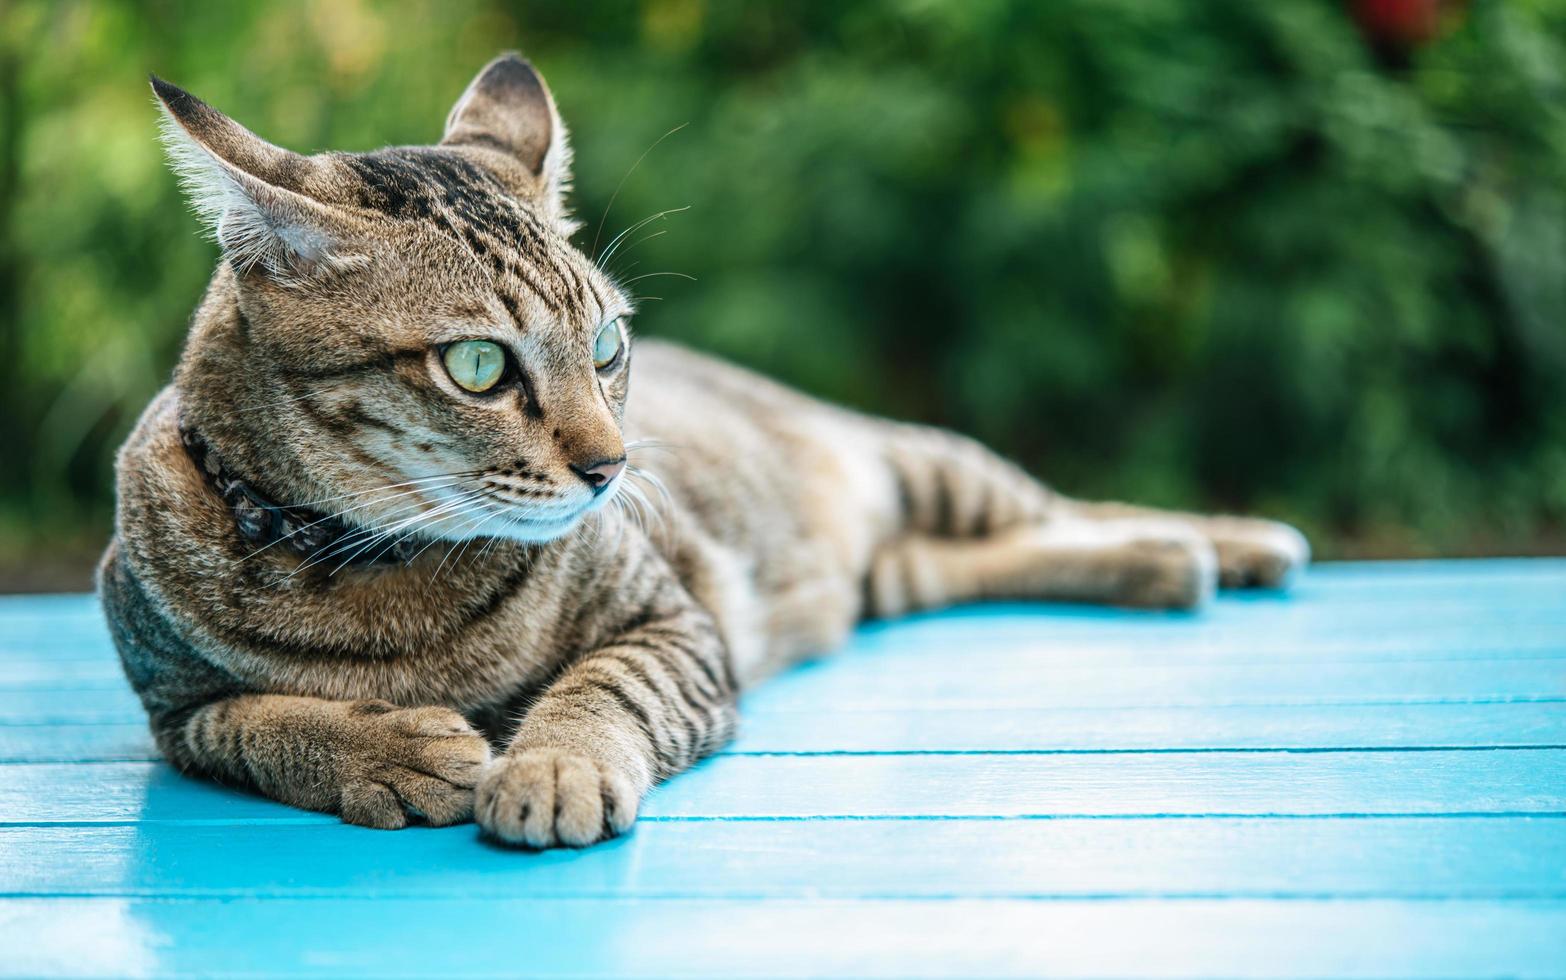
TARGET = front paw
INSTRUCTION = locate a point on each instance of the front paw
(411, 762)
(552, 797)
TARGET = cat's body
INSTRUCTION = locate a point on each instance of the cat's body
(599, 649)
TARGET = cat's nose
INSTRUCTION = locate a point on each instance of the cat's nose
(601, 473)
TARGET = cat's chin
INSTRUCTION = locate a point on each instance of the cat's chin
(530, 531)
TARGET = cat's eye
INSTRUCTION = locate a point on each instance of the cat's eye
(606, 346)
(476, 365)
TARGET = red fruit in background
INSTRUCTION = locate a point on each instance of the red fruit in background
(1402, 23)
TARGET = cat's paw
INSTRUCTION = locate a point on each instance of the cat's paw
(411, 762)
(1259, 554)
(552, 797)
(1178, 571)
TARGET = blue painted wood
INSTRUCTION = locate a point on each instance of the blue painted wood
(1511, 725)
(54, 707)
(1001, 637)
(744, 937)
(1394, 857)
(850, 685)
(1366, 778)
(1152, 729)
(1137, 784)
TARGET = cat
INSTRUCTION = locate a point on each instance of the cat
(400, 542)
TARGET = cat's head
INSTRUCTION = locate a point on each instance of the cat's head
(408, 334)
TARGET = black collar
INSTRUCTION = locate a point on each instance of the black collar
(309, 534)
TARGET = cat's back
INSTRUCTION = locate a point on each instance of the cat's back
(671, 379)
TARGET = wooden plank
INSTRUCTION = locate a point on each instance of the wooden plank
(1414, 858)
(806, 730)
(1156, 784)
(861, 683)
(129, 792)
(715, 938)
(1020, 679)
(90, 742)
(1430, 625)
(1301, 632)
(110, 706)
(1153, 784)
(1009, 641)
(1421, 573)
(49, 707)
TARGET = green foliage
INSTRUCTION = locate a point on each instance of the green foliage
(1199, 254)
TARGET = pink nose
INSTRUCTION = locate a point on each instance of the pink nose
(600, 474)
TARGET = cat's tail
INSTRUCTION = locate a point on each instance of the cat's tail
(951, 486)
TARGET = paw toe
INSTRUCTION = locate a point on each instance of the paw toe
(440, 803)
(459, 760)
(371, 804)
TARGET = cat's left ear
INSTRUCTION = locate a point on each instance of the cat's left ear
(265, 205)
(507, 110)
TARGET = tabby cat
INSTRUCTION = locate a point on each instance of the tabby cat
(401, 542)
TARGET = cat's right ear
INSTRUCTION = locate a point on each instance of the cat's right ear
(249, 193)
(507, 109)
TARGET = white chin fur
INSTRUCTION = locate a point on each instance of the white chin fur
(520, 527)
(531, 531)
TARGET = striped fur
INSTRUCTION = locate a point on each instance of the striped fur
(546, 654)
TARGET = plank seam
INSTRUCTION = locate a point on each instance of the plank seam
(1004, 753)
(803, 894)
(307, 819)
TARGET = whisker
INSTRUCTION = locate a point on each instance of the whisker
(434, 541)
(458, 475)
(440, 515)
(649, 275)
(652, 480)
(622, 511)
(637, 445)
(359, 506)
(610, 249)
(339, 545)
(460, 514)
(484, 518)
(637, 500)
(621, 184)
(375, 535)
(600, 519)
(488, 545)
(475, 534)
(615, 270)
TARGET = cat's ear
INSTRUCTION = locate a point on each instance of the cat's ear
(250, 194)
(507, 109)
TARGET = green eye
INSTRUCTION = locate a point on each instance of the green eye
(606, 346)
(475, 364)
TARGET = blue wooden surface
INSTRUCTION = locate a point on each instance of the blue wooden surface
(1366, 778)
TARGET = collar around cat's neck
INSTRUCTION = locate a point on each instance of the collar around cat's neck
(263, 523)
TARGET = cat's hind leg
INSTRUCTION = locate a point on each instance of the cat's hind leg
(1252, 552)
(973, 525)
(1137, 563)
